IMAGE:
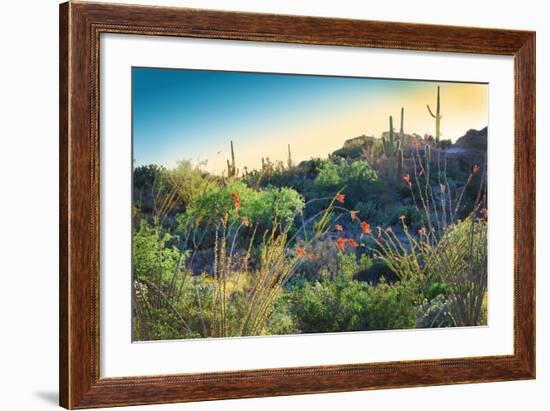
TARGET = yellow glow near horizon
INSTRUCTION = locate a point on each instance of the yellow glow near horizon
(463, 107)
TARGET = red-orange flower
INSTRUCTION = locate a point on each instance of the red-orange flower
(339, 227)
(352, 242)
(312, 256)
(236, 200)
(340, 198)
(365, 228)
(341, 242)
(300, 251)
(353, 214)
(475, 169)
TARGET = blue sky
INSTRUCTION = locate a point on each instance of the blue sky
(194, 114)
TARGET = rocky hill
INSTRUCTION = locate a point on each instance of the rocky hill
(473, 140)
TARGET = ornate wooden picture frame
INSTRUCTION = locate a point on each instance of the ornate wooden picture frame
(81, 24)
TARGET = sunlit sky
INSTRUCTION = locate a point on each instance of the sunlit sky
(194, 114)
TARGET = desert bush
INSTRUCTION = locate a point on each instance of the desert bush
(354, 175)
(259, 207)
(153, 258)
(189, 181)
(144, 176)
(350, 305)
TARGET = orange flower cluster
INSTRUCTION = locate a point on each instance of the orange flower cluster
(301, 252)
(340, 198)
(236, 200)
(365, 228)
(342, 242)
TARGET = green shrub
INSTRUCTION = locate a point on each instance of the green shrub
(262, 207)
(344, 304)
(355, 176)
(152, 257)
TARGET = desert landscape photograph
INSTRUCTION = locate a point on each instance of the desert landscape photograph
(276, 204)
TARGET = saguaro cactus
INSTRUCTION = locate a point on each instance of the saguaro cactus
(231, 167)
(393, 152)
(391, 144)
(437, 117)
(399, 171)
(289, 160)
(401, 130)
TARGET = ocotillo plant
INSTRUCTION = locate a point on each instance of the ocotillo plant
(231, 167)
(437, 117)
(393, 152)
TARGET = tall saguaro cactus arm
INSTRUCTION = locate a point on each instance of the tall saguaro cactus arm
(289, 159)
(437, 116)
(231, 167)
(401, 131)
(393, 152)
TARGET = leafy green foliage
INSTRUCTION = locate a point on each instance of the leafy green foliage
(152, 256)
(355, 176)
(347, 304)
(259, 207)
(340, 302)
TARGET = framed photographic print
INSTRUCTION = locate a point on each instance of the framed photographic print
(257, 205)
